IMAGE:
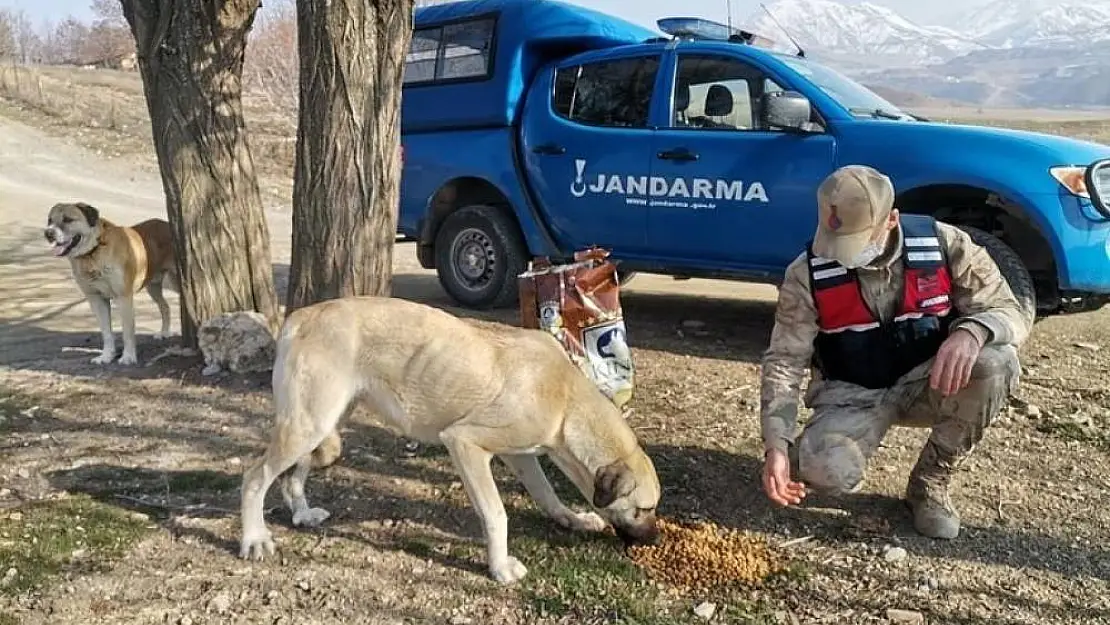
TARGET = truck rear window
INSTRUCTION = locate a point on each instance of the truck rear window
(459, 51)
(606, 93)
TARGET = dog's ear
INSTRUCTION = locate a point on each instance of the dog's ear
(92, 216)
(611, 483)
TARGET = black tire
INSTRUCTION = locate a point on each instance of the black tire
(1012, 269)
(492, 242)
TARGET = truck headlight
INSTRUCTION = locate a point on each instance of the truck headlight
(1096, 182)
(1073, 178)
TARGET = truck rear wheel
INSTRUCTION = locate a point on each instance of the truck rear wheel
(479, 253)
(1012, 269)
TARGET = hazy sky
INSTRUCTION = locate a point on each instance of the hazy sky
(643, 11)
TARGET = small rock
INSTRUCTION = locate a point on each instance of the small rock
(706, 610)
(221, 603)
(1089, 346)
(459, 619)
(1033, 411)
(16, 516)
(894, 554)
(23, 473)
(905, 617)
(185, 620)
(272, 596)
(235, 461)
(304, 585)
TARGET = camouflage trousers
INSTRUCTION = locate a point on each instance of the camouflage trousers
(849, 421)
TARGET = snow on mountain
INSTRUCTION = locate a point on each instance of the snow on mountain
(863, 29)
(1038, 23)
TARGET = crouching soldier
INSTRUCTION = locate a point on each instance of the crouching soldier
(902, 320)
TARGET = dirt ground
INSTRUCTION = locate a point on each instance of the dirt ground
(156, 453)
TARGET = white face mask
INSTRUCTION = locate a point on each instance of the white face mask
(865, 257)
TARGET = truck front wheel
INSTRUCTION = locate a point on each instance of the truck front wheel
(1012, 269)
(479, 253)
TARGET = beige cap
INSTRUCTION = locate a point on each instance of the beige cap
(851, 203)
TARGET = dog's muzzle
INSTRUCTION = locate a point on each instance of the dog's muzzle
(643, 534)
(61, 245)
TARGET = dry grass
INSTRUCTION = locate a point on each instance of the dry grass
(105, 111)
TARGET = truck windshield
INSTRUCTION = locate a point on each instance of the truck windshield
(859, 100)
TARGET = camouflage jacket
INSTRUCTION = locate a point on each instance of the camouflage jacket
(987, 308)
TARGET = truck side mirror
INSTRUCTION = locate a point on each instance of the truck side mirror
(786, 110)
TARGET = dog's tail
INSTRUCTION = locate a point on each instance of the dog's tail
(303, 391)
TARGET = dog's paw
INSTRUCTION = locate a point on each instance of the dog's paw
(583, 522)
(104, 358)
(128, 359)
(508, 572)
(257, 549)
(310, 517)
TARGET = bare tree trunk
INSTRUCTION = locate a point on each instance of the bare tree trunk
(348, 171)
(191, 58)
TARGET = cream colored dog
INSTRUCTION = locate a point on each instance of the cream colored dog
(111, 264)
(482, 390)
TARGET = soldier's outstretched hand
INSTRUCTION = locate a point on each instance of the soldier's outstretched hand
(776, 480)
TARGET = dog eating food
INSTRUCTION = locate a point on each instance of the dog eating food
(705, 555)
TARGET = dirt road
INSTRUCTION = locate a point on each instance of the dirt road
(167, 447)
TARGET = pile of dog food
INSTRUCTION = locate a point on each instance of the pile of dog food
(704, 555)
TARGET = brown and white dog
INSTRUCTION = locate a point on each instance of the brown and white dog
(111, 264)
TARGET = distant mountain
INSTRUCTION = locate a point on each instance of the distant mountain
(861, 30)
(1037, 23)
(1004, 53)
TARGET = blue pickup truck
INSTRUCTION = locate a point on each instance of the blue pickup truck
(537, 128)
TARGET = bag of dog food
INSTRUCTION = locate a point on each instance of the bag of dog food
(579, 303)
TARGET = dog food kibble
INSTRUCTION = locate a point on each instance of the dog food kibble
(704, 555)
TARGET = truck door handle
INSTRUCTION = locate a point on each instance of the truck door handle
(678, 154)
(550, 148)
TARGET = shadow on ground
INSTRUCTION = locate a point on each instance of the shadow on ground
(42, 305)
(698, 483)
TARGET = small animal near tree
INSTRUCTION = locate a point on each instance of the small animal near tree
(191, 60)
(348, 170)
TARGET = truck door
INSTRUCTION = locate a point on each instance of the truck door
(738, 196)
(587, 150)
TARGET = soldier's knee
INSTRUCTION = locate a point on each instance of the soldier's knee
(998, 367)
(831, 463)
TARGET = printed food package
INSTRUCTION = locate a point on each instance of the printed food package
(579, 303)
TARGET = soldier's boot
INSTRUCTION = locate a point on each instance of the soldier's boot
(927, 493)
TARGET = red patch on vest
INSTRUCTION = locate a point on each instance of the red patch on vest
(842, 306)
(927, 291)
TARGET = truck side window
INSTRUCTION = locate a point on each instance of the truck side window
(451, 52)
(420, 64)
(718, 93)
(606, 93)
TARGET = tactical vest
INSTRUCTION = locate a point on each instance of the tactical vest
(852, 345)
